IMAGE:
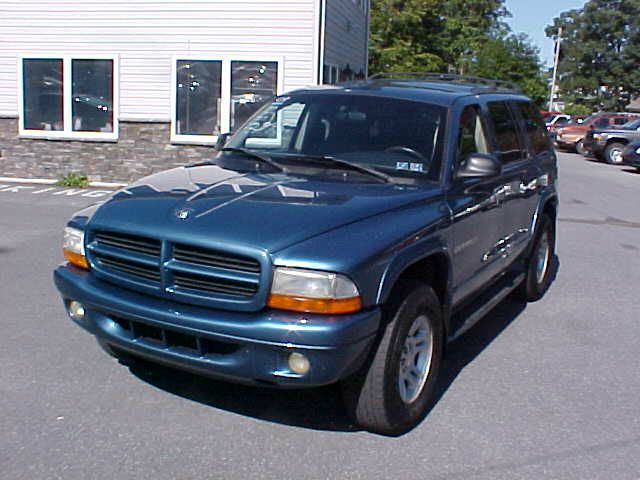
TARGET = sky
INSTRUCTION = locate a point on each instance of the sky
(533, 16)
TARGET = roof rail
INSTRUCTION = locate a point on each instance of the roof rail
(485, 83)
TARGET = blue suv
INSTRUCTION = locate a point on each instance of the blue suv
(343, 234)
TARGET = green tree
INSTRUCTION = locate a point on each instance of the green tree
(404, 36)
(514, 59)
(459, 36)
(467, 26)
(600, 53)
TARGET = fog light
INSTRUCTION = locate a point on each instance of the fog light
(76, 311)
(298, 363)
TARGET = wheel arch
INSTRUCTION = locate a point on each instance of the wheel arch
(432, 267)
(621, 140)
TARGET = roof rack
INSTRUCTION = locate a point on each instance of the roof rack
(484, 83)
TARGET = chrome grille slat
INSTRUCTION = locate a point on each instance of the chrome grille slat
(130, 268)
(213, 258)
(213, 285)
(133, 243)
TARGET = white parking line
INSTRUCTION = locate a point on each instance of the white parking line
(67, 192)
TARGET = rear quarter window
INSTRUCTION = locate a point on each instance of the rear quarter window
(533, 126)
(508, 144)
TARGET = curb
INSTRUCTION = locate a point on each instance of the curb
(47, 181)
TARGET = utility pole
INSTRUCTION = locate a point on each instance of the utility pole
(556, 60)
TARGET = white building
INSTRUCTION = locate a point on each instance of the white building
(120, 85)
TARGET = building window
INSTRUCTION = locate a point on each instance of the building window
(198, 95)
(68, 97)
(217, 95)
(42, 93)
(252, 85)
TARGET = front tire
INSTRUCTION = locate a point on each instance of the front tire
(539, 260)
(613, 153)
(390, 395)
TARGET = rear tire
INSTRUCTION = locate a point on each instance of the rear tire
(613, 153)
(390, 395)
(539, 260)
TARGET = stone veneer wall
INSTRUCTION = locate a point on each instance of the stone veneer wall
(142, 149)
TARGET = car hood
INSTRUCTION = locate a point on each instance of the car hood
(574, 129)
(616, 131)
(212, 204)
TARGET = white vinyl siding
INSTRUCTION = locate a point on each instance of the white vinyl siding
(147, 34)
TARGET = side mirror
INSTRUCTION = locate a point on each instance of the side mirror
(480, 165)
(222, 141)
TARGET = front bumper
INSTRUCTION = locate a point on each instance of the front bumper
(566, 142)
(237, 346)
(596, 147)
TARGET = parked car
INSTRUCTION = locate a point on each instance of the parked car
(381, 220)
(557, 121)
(553, 129)
(572, 137)
(609, 144)
(631, 155)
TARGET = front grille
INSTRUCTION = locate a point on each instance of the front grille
(174, 340)
(187, 273)
(213, 258)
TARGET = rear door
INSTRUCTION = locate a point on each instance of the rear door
(519, 178)
(528, 176)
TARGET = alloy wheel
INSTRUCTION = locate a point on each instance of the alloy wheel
(415, 359)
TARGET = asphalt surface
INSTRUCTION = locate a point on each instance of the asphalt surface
(550, 390)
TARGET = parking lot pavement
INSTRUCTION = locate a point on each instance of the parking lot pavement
(547, 390)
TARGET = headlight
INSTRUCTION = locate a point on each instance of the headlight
(313, 292)
(599, 136)
(638, 151)
(73, 247)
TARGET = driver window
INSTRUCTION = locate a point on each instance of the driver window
(472, 138)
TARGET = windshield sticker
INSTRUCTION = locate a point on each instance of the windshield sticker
(402, 165)
(417, 167)
(280, 100)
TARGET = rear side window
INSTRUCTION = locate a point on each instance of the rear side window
(534, 127)
(620, 120)
(506, 131)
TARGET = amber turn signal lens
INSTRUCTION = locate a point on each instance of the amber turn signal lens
(75, 259)
(315, 305)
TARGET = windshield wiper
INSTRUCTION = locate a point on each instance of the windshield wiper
(343, 163)
(256, 156)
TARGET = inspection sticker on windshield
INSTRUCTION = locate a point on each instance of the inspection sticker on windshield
(416, 167)
(402, 165)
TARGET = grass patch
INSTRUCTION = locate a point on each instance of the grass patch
(73, 180)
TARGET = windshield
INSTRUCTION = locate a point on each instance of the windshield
(399, 137)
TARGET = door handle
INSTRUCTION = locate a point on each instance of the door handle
(529, 186)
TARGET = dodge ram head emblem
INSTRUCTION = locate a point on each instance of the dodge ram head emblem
(183, 213)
